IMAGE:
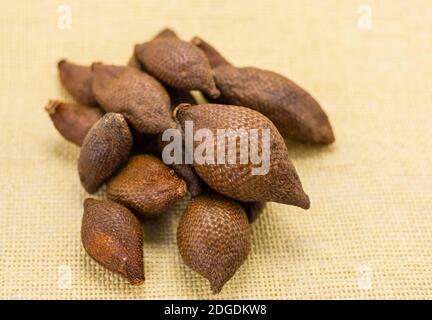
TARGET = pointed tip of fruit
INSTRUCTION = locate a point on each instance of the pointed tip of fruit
(134, 271)
(299, 198)
(196, 41)
(216, 287)
(326, 135)
(213, 92)
(293, 196)
(166, 33)
(182, 189)
(52, 106)
(135, 279)
(137, 282)
(61, 62)
(137, 49)
(304, 202)
(95, 65)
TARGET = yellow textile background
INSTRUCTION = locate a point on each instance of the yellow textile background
(368, 233)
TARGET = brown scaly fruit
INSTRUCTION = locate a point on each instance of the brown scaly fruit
(73, 120)
(296, 114)
(177, 96)
(105, 148)
(177, 63)
(112, 236)
(77, 80)
(139, 97)
(213, 238)
(146, 186)
(281, 183)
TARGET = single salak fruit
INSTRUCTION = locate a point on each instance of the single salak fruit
(77, 80)
(177, 96)
(296, 114)
(258, 180)
(105, 148)
(73, 120)
(146, 186)
(139, 97)
(113, 237)
(177, 63)
(213, 238)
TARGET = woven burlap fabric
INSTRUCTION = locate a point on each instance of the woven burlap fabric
(368, 233)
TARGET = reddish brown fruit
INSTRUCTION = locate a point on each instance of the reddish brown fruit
(105, 148)
(213, 56)
(139, 97)
(177, 96)
(73, 120)
(77, 80)
(296, 114)
(177, 63)
(112, 236)
(146, 186)
(281, 183)
(213, 238)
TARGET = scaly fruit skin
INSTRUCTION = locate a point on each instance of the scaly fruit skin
(213, 238)
(281, 183)
(147, 186)
(185, 171)
(177, 96)
(295, 112)
(177, 63)
(73, 120)
(213, 56)
(113, 237)
(77, 80)
(139, 97)
(165, 33)
(105, 148)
